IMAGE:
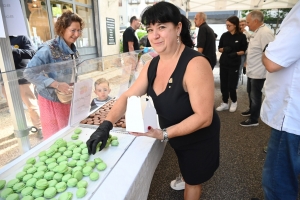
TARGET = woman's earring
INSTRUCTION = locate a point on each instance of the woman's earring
(178, 39)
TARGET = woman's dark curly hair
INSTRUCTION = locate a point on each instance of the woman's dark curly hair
(164, 12)
(235, 21)
(65, 20)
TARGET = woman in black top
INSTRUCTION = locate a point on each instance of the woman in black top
(232, 45)
(180, 82)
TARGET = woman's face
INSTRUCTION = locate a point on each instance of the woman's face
(72, 33)
(163, 36)
(230, 27)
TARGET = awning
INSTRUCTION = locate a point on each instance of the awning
(219, 5)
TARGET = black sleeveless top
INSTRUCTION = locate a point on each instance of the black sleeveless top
(173, 105)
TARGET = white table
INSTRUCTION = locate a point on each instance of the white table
(131, 177)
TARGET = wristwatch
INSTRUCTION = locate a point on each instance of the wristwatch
(165, 134)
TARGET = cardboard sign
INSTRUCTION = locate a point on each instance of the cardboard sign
(81, 101)
(140, 114)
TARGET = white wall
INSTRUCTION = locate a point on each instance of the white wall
(110, 9)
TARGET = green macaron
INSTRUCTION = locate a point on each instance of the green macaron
(38, 164)
(2, 184)
(85, 157)
(78, 175)
(43, 168)
(82, 184)
(43, 158)
(20, 175)
(39, 175)
(27, 191)
(94, 176)
(91, 164)
(49, 176)
(62, 158)
(6, 192)
(28, 198)
(50, 192)
(98, 160)
(27, 177)
(114, 143)
(31, 170)
(72, 163)
(31, 182)
(66, 196)
(31, 161)
(85, 151)
(74, 137)
(81, 163)
(12, 182)
(62, 149)
(58, 177)
(56, 155)
(41, 184)
(13, 196)
(76, 156)
(51, 166)
(66, 177)
(42, 153)
(68, 153)
(27, 166)
(87, 170)
(52, 183)
(37, 193)
(81, 192)
(18, 187)
(72, 182)
(101, 166)
(61, 186)
(77, 131)
(78, 143)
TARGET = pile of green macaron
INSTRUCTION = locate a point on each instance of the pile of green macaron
(64, 164)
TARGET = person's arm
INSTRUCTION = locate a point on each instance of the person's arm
(270, 65)
(130, 46)
(200, 50)
(26, 50)
(221, 45)
(201, 39)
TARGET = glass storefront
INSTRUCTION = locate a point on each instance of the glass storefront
(41, 28)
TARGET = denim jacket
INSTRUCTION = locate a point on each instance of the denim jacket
(53, 61)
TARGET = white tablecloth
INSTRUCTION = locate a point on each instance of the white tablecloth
(131, 177)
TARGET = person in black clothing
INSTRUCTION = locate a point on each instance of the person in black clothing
(232, 45)
(181, 84)
(206, 40)
(23, 51)
(130, 42)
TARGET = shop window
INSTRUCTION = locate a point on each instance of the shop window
(38, 22)
(88, 36)
(84, 1)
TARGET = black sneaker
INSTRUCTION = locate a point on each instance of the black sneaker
(249, 122)
(246, 113)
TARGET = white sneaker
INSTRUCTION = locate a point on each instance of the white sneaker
(233, 107)
(223, 106)
(178, 183)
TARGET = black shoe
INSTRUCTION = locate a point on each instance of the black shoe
(249, 122)
(246, 113)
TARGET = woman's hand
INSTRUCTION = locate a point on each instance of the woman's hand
(154, 133)
(65, 88)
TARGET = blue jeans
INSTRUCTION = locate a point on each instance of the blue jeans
(282, 166)
(254, 87)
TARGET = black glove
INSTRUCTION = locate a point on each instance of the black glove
(244, 70)
(227, 49)
(100, 135)
(232, 55)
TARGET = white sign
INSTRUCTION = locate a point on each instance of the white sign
(140, 114)
(81, 102)
(14, 18)
(2, 32)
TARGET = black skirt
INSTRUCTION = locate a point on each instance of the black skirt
(198, 161)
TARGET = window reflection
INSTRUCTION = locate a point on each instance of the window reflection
(38, 22)
(58, 8)
(87, 38)
(84, 1)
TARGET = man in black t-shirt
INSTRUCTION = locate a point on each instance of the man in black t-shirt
(206, 40)
(130, 42)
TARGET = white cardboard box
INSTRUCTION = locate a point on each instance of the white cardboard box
(140, 114)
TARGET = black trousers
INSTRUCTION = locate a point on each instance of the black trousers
(254, 87)
(228, 80)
